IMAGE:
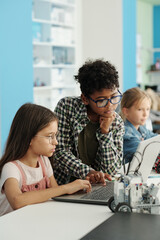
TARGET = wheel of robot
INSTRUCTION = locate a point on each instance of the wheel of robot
(111, 204)
(123, 207)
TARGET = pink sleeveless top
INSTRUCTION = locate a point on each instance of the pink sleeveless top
(42, 184)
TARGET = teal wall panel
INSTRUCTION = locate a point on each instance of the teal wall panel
(16, 72)
(156, 30)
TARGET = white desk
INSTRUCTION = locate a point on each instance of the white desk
(52, 220)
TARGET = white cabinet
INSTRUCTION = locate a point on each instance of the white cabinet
(54, 50)
(154, 72)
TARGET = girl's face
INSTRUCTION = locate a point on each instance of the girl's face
(44, 142)
(138, 113)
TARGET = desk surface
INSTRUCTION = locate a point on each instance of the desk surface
(52, 220)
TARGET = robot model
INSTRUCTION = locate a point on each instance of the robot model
(131, 194)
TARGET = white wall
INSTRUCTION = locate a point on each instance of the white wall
(99, 33)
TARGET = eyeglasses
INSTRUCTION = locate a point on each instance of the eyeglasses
(103, 102)
(50, 138)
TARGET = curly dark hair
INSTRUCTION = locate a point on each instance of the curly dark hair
(96, 75)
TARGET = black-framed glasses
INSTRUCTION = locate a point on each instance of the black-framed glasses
(50, 138)
(103, 102)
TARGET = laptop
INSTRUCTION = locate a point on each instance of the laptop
(142, 162)
(145, 157)
(100, 195)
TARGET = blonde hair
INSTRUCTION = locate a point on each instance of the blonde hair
(131, 97)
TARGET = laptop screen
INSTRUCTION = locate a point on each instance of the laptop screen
(145, 157)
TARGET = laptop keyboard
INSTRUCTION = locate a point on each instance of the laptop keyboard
(102, 193)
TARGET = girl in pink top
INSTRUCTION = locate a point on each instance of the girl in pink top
(26, 175)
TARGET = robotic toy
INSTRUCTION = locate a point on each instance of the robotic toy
(131, 194)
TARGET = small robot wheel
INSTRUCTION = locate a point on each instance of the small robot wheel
(111, 204)
(123, 207)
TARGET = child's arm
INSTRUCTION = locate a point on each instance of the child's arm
(17, 199)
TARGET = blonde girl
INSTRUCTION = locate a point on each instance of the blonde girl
(135, 109)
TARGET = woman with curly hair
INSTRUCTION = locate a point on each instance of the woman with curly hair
(90, 131)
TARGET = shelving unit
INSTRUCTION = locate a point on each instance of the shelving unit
(54, 50)
(154, 74)
(154, 77)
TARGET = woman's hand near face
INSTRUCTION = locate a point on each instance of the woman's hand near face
(105, 122)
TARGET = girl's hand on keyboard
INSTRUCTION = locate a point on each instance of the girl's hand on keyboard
(77, 185)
